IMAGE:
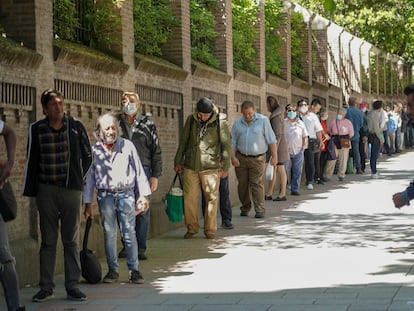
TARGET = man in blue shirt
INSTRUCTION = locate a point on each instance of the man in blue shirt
(356, 117)
(251, 137)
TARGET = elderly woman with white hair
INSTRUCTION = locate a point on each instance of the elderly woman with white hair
(119, 177)
(341, 130)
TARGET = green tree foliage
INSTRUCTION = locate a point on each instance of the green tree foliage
(387, 24)
(244, 34)
(65, 20)
(273, 21)
(203, 35)
(153, 23)
(297, 37)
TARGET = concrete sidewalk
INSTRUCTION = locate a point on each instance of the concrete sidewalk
(341, 246)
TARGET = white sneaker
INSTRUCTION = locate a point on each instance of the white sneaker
(375, 176)
(310, 187)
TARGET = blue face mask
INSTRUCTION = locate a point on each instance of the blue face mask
(339, 117)
(130, 108)
(291, 114)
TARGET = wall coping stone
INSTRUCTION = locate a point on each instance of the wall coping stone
(80, 55)
(301, 83)
(160, 67)
(247, 77)
(320, 86)
(275, 80)
(207, 72)
(11, 53)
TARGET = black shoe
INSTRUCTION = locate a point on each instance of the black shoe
(136, 277)
(227, 225)
(76, 295)
(122, 253)
(111, 276)
(325, 179)
(259, 215)
(295, 193)
(43, 295)
(142, 256)
(22, 308)
(280, 199)
(359, 171)
(268, 198)
(244, 213)
(319, 181)
(188, 235)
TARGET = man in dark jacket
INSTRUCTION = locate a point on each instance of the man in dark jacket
(58, 157)
(141, 130)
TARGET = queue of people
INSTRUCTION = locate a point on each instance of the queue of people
(124, 165)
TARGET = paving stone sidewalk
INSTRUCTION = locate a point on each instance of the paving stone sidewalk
(341, 246)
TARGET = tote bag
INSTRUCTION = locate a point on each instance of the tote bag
(174, 201)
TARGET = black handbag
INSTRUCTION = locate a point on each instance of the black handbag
(8, 204)
(90, 265)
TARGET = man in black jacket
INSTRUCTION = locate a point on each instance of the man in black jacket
(58, 157)
(141, 130)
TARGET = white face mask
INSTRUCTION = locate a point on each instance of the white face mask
(303, 109)
(130, 108)
(364, 109)
(324, 118)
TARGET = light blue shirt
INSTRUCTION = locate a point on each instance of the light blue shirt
(254, 138)
(119, 169)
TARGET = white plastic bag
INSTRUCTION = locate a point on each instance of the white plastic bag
(269, 171)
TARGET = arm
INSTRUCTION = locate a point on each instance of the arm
(273, 152)
(179, 156)
(156, 159)
(86, 149)
(10, 140)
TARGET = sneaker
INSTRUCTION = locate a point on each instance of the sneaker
(243, 213)
(319, 181)
(122, 253)
(76, 295)
(111, 276)
(43, 295)
(136, 277)
(259, 215)
(142, 256)
(375, 176)
(340, 178)
(309, 187)
(227, 225)
(325, 179)
(188, 235)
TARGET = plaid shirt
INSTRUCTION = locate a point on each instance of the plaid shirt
(54, 154)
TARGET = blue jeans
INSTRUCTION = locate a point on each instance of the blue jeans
(355, 154)
(118, 207)
(8, 275)
(375, 151)
(297, 165)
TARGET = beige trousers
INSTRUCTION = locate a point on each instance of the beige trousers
(209, 181)
(342, 156)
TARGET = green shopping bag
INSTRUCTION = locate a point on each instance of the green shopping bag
(174, 201)
(350, 166)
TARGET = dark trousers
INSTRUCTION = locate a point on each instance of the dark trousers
(309, 166)
(317, 163)
(362, 154)
(225, 204)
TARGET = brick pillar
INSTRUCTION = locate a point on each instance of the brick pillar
(18, 19)
(178, 48)
(285, 45)
(259, 43)
(307, 53)
(321, 55)
(223, 49)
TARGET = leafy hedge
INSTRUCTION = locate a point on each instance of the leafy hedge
(245, 13)
(273, 22)
(203, 35)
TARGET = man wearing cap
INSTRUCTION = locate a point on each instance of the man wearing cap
(204, 155)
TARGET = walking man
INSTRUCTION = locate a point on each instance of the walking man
(251, 137)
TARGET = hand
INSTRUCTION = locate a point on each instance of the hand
(141, 205)
(223, 174)
(365, 139)
(273, 161)
(178, 168)
(153, 181)
(398, 202)
(88, 213)
(235, 161)
(5, 170)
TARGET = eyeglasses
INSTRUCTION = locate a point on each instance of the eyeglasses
(303, 105)
(289, 110)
